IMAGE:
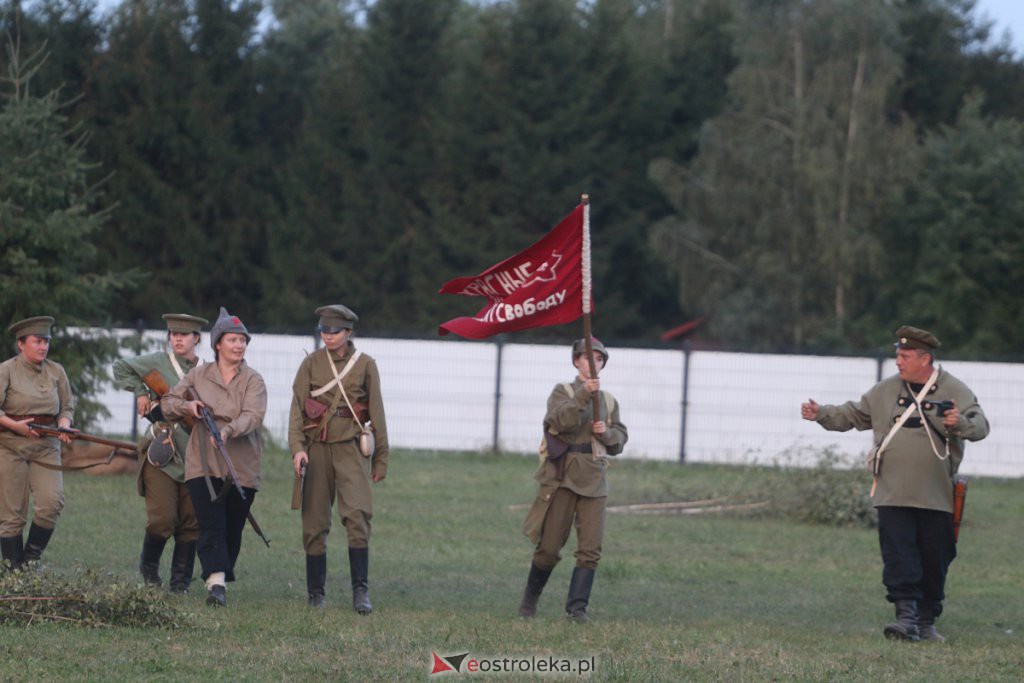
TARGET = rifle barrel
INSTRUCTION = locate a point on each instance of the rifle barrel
(75, 434)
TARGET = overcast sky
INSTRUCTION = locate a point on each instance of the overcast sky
(1007, 14)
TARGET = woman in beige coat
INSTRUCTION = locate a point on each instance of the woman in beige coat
(236, 396)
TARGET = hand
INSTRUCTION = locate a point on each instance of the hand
(298, 460)
(593, 385)
(809, 410)
(377, 477)
(65, 423)
(952, 417)
(22, 429)
(143, 405)
(599, 427)
(194, 407)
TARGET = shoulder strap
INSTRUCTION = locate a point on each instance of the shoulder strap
(177, 366)
(908, 412)
(337, 375)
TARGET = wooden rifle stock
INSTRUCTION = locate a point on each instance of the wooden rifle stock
(298, 488)
(156, 382)
(959, 497)
(124, 447)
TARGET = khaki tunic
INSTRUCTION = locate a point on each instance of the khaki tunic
(30, 389)
(362, 385)
(238, 409)
(128, 374)
(336, 467)
(912, 476)
(570, 418)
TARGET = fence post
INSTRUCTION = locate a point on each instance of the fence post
(499, 341)
(687, 348)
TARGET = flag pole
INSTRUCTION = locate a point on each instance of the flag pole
(587, 331)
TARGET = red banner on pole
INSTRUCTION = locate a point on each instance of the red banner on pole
(537, 287)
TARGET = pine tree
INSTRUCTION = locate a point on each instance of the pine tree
(48, 224)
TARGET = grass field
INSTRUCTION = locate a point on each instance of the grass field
(677, 597)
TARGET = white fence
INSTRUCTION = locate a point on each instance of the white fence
(741, 408)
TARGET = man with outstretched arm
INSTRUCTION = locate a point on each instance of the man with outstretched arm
(921, 418)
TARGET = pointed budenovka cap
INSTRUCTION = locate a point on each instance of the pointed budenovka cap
(336, 317)
(908, 337)
(38, 326)
(227, 323)
(182, 322)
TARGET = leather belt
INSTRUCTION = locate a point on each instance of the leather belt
(581, 448)
(37, 419)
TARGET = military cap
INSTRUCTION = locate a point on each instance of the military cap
(335, 318)
(38, 326)
(908, 337)
(227, 323)
(181, 322)
(579, 347)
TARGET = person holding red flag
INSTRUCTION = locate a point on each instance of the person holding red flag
(573, 486)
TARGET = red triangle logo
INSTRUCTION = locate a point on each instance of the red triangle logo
(440, 665)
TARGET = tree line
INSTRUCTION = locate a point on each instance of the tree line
(805, 173)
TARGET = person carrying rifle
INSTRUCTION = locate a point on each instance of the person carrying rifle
(572, 481)
(161, 478)
(33, 389)
(222, 482)
(337, 432)
(921, 418)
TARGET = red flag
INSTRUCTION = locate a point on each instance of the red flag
(540, 286)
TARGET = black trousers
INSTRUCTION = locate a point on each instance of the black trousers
(220, 525)
(917, 549)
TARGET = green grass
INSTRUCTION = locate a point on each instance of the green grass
(677, 597)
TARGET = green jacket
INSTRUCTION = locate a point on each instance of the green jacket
(911, 475)
(128, 374)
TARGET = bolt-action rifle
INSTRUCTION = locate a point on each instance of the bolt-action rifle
(218, 440)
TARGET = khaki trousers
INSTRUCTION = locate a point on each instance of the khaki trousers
(336, 469)
(21, 475)
(169, 509)
(588, 513)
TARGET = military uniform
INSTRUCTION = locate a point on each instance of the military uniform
(914, 494)
(336, 467)
(572, 487)
(40, 391)
(169, 508)
(238, 408)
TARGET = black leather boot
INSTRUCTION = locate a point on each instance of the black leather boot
(535, 583)
(579, 594)
(905, 626)
(926, 615)
(13, 550)
(149, 561)
(183, 562)
(217, 596)
(359, 566)
(316, 577)
(35, 544)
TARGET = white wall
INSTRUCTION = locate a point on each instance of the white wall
(742, 407)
